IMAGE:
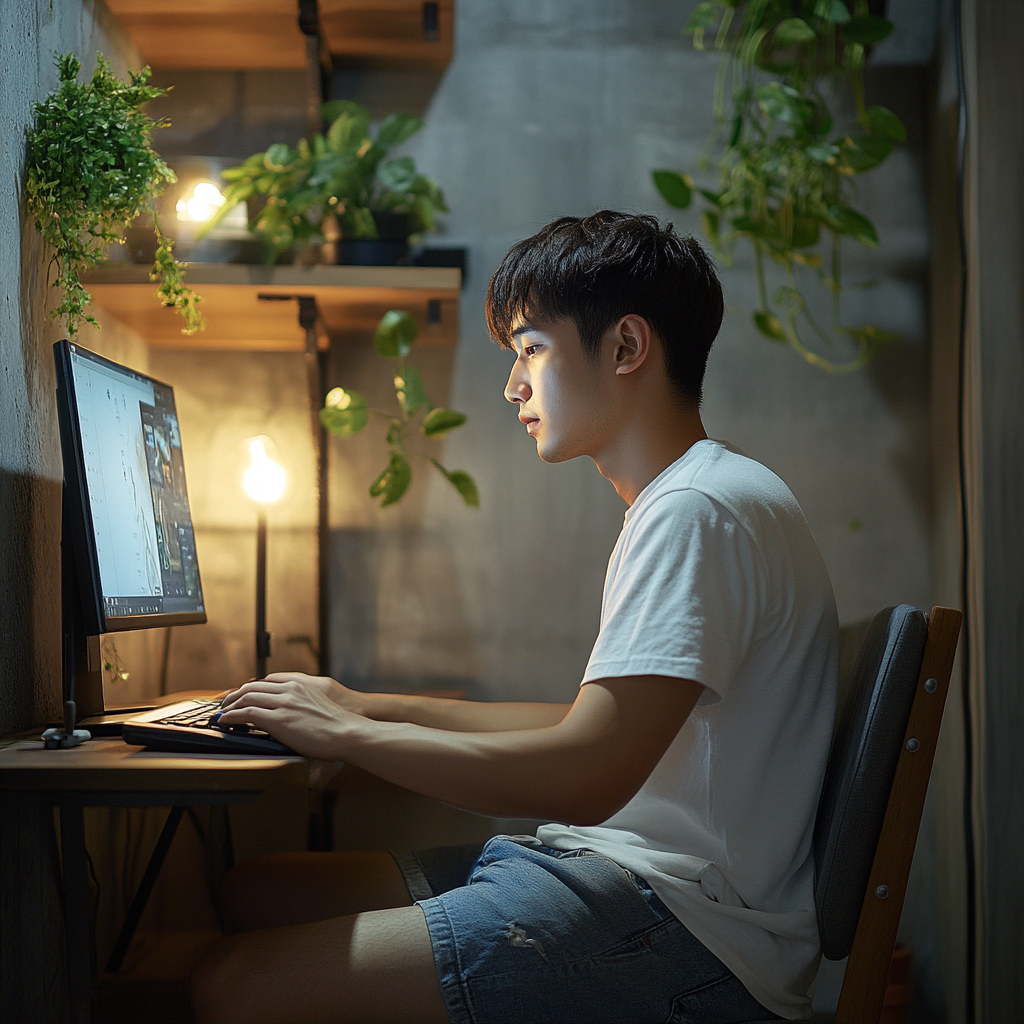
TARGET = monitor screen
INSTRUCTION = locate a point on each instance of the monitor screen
(140, 545)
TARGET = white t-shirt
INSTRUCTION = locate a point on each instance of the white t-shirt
(716, 578)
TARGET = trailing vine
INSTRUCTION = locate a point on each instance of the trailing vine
(345, 413)
(90, 172)
(786, 172)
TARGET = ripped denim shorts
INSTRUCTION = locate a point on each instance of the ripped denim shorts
(523, 934)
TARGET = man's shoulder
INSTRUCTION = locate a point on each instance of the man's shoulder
(721, 473)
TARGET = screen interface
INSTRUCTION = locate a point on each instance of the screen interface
(135, 477)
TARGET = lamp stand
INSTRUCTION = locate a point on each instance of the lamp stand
(262, 636)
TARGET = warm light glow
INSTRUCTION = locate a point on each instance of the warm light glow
(205, 201)
(264, 480)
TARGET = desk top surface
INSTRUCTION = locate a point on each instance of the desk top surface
(113, 765)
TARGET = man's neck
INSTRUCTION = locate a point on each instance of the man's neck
(647, 447)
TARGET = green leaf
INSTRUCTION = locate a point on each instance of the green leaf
(884, 123)
(703, 15)
(396, 128)
(278, 157)
(856, 225)
(398, 175)
(412, 396)
(440, 421)
(867, 29)
(675, 188)
(347, 133)
(783, 103)
(712, 197)
(770, 326)
(394, 481)
(344, 412)
(834, 11)
(864, 152)
(794, 31)
(333, 109)
(466, 486)
(395, 334)
(462, 482)
(823, 154)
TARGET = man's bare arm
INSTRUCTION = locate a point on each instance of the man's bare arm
(434, 712)
(579, 770)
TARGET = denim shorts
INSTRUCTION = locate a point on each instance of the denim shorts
(523, 934)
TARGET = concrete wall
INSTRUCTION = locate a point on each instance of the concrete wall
(31, 949)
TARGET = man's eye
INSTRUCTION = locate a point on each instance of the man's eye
(528, 350)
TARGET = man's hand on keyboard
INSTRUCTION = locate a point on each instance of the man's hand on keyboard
(350, 700)
(296, 709)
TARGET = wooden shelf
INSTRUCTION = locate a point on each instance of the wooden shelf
(350, 300)
(250, 34)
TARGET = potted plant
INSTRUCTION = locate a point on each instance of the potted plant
(345, 413)
(338, 190)
(786, 172)
(90, 173)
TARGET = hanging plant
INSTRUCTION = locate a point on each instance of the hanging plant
(346, 413)
(90, 172)
(786, 171)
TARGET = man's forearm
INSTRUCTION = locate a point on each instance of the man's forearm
(460, 715)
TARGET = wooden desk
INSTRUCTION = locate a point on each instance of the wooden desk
(110, 773)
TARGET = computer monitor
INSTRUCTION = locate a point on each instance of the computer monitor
(128, 549)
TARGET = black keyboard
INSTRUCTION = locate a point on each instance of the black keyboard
(191, 727)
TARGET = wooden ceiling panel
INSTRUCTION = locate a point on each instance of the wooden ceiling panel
(254, 34)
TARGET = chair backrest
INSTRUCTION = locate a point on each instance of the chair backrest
(870, 810)
(870, 723)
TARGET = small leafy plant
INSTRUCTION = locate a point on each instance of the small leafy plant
(342, 175)
(90, 172)
(346, 413)
(786, 171)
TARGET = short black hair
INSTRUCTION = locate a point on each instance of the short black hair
(595, 270)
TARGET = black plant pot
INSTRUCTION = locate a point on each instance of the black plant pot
(390, 248)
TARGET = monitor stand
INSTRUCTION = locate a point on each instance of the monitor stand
(81, 668)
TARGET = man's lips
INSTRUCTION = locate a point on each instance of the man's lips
(529, 421)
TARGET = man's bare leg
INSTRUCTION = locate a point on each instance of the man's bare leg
(367, 968)
(297, 888)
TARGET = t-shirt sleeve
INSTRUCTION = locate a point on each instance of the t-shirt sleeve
(684, 597)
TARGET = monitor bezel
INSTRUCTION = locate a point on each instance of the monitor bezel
(77, 504)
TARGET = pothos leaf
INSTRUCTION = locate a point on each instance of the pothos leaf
(440, 421)
(676, 189)
(344, 412)
(794, 31)
(462, 482)
(395, 333)
(411, 394)
(394, 481)
(770, 326)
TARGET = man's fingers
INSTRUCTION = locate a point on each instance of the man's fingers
(261, 717)
(288, 677)
(256, 686)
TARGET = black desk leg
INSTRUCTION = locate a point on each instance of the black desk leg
(134, 915)
(77, 911)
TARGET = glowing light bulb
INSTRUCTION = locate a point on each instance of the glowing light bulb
(264, 480)
(205, 201)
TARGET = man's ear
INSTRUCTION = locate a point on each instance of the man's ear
(632, 344)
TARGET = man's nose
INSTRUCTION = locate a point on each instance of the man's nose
(517, 390)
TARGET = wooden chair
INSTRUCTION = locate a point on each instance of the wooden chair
(875, 785)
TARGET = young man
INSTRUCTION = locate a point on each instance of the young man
(687, 770)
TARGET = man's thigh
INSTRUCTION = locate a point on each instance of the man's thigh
(365, 968)
(298, 888)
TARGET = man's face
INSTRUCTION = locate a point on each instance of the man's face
(562, 395)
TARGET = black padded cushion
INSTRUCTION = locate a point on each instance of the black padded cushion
(870, 725)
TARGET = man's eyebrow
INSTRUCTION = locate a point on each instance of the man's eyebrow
(524, 328)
